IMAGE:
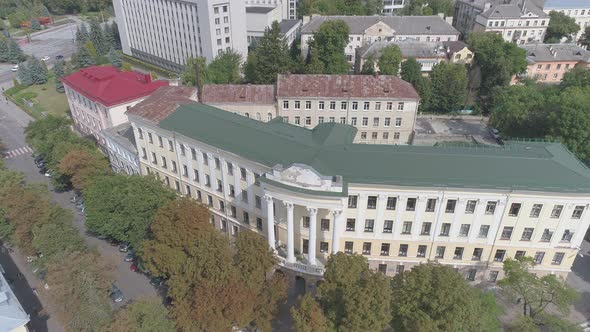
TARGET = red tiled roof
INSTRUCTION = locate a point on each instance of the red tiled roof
(344, 86)
(238, 93)
(110, 86)
(163, 102)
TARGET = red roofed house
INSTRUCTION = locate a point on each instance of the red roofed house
(99, 96)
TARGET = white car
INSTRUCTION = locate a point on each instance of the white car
(15, 68)
(45, 58)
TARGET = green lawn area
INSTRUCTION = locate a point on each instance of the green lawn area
(44, 97)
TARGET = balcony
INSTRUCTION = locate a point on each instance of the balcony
(301, 264)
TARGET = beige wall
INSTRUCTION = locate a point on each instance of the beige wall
(550, 72)
(261, 112)
(463, 56)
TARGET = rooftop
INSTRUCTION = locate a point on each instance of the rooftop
(163, 102)
(122, 134)
(409, 49)
(513, 9)
(454, 46)
(259, 10)
(238, 93)
(111, 86)
(555, 52)
(344, 86)
(566, 4)
(12, 314)
(328, 148)
(287, 25)
(403, 25)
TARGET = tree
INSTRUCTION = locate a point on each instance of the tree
(433, 297)
(115, 58)
(189, 75)
(585, 38)
(82, 34)
(578, 76)
(269, 58)
(143, 315)
(83, 166)
(115, 36)
(84, 57)
(96, 36)
(411, 71)
(535, 293)
(314, 65)
(57, 235)
(15, 54)
(123, 207)
(3, 49)
(35, 25)
(308, 316)
(225, 68)
(497, 59)
(560, 26)
(80, 284)
(354, 297)
(369, 66)
(24, 74)
(428, 7)
(449, 87)
(329, 42)
(59, 72)
(391, 57)
(38, 73)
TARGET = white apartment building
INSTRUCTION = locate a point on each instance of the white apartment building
(364, 30)
(286, 8)
(390, 7)
(578, 9)
(518, 21)
(313, 192)
(167, 32)
(260, 18)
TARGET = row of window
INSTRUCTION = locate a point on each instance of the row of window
(557, 67)
(353, 121)
(321, 105)
(525, 23)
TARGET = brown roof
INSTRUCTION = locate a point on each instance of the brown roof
(344, 86)
(455, 46)
(164, 102)
(238, 93)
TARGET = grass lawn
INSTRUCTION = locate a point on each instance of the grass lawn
(44, 97)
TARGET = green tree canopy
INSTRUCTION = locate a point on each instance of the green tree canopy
(38, 72)
(585, 38)
(14, 54)
(189, 75)
(390, 59)
(428, 7)
(329, 43)
(143, 315)
(578, 76)
(59, 71)
(269, 58)
(339, 7)
(560, 26)
(98, 39)
(35, 25)
(115, 58)
(411, 70)
(308, 316)
(369, 66)
(83, 57)
(82, 35)
(57, 235)
(225, 68)
(449, 87)
(433, 297)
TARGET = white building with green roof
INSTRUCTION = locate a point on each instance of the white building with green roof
(313, 192)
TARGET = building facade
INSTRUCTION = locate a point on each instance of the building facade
(313, 192)
(287, 8)
(391, 7)
(368, 29)
(119, 145)
(98, 96)
(578, 9)
(13, 318)
(252, 101)
(518, 21)
(167, 32)
(428, 54)
(547, 63)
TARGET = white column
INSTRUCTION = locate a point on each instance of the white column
(212, 175)
(381, 201)
(476, 224)
(290, 233)
(338, 219)
(459, 211)
(558, 231)
(580, 231)
(420, 209)
(498, 215)
(270, 221)
(313, 213)
(400, 208)
(360, 217)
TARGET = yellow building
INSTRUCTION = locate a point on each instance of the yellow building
(313, 192)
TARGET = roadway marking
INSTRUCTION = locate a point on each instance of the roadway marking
(18, 151)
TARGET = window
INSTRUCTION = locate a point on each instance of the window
(377, 106)
(242, 173)
(305, 222)
(352, 200)
(536, 210)
(219, 186)
(556, 212)
(440, 252)
(353, 121)
(207, 180)
(297, 120)
(451, 204)
(323, 247)
(160, 141)
(514, 209)
(387, 226)
(258, 201)
(483, 231)
(493, 276)
(307, 105)
(375, 122)
(403, 250)
(538, 258)
(387, 122)
(527, 234)
(205, 159)
(342, 120)
(464, 230)
(445, 229)
(332, 105)
(209, 200)
(285, 104)
(398, 122)
(506, 233)
(343, 105)
(426, 228)
(400, 106)
(385, 249)
(170, 145)
(372, 202)
(369, 224)
(567, 236)
(350, 224)
(578, 210)
(140, 133)
(365, 122)
(391, 202)
(557, 258)
(143, 153)
(382, 268)
(389, 106)
(184, 170)
(363, 135)
(458, 254)
(321, 105)
(194, 153)
(150, 138)
(470, 207)
(325, 225)
(174, 166)
(196, 175)
(321, 119)
(407, 227)
(421, 251)
(308, 120)
(430, 204)
(221, 206)
(366, 248)
(355, 105)
(411, 204)
(348, 247)
(477, 252)
(164, 162)
(396, 135)
(399, 269)
(305, 246)
(244, 196)
(547, 235)
(297, 104)
(499, 256)
(366, 105)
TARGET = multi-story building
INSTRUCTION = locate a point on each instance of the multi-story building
(364, 30)
(548, 62)
(13, 318)
(578, 9)
(120, 148)
(458, 52)
(287, 8)
(428, 54)
(382, 107)
(518, 21)
(252, 101)
(167, 32)
(313, 192)
(98, 96)
(391, 7)
(258, 19)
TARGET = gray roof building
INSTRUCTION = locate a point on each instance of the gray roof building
(555, 53)
(12, 315)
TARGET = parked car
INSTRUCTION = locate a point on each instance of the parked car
(129, 257)
(114, 242)
(15, 68)
(495, 133)
(124, 247)
(45, 58)
(59, 57)
(156, 281)
(116, 294)
(133, 267)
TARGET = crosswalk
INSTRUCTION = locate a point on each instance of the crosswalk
(18, 151)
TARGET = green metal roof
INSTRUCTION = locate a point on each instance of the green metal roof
(328, 148)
